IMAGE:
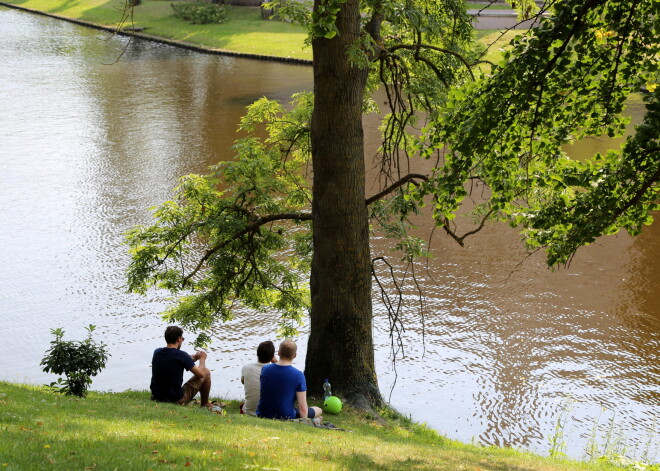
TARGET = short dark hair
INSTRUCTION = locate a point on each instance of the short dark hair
(265, 351)
(288, 349)
(172, 333)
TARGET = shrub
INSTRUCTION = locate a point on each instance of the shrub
(77, 360)
(200, 12)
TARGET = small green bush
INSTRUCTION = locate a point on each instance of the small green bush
(200, 13)
(77, 360)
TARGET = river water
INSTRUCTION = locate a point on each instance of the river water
(507, 347)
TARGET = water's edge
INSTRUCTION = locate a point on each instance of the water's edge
(162, 40)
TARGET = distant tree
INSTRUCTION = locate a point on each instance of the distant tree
(254, 232)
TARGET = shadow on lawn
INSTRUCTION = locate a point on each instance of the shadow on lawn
(43, 430)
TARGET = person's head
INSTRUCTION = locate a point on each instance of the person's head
(172, 334)
(288, 349)
(265, 351)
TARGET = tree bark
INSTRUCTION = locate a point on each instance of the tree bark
(340, 344)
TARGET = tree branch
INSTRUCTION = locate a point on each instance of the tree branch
(638, 195)
(416, 47)
(374, 28)
(395, 185)
(249, 228)
(460, 239)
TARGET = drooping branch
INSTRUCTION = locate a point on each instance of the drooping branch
(626, 31)
(393, 307)
(416, 47)
(253, 226)
(408, 178)
(431, 66)
(402, 109)
(639, 193)
(461, 239)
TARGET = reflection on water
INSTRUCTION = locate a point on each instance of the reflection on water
(85, 148)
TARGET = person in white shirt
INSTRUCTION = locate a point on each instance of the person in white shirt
(251, 373)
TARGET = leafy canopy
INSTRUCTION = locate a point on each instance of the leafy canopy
(491, 134)
(566, 80)
(240, 235)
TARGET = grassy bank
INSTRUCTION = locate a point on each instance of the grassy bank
(244, 30)
(125, 431)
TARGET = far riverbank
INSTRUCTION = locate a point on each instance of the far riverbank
(243, 34)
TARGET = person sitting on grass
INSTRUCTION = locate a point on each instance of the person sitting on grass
(167, 367)
(251, 376)
(282, 385)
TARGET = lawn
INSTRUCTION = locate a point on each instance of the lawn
(243, 31)
(126, 431)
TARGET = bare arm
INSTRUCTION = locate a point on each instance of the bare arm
(301, 396)
(198, 370)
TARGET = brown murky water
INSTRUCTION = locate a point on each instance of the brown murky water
(504, 347)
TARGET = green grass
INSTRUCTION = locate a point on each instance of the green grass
(125, 431)
(495, 40)
(243, 31)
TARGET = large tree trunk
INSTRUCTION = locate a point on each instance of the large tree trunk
(340, 343)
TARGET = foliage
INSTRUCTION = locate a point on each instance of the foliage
(565, 80)
(611, 447)
(200, 13)
(494, 139)
(77, 360)
(297, 12)
(214, 249)
(249, 243)
(557, 439)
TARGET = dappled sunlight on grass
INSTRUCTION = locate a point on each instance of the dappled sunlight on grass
(494, 41)
(43, 430)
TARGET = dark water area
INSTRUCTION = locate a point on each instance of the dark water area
(87, 145)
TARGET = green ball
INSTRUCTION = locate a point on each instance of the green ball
(332, 405)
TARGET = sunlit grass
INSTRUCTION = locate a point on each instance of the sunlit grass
(106, 431)
(244, 30)
(493, 42)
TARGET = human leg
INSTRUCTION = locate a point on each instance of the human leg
(311, 412)
(190, 390)
(197, 385)
(205, 389)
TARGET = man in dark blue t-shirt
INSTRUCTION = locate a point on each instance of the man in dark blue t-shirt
(167, 368)
(282, 385)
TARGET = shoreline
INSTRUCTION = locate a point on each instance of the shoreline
(160, 39)
(490, 20)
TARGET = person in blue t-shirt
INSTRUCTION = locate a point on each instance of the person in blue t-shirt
(282, 385)
(167, 367)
